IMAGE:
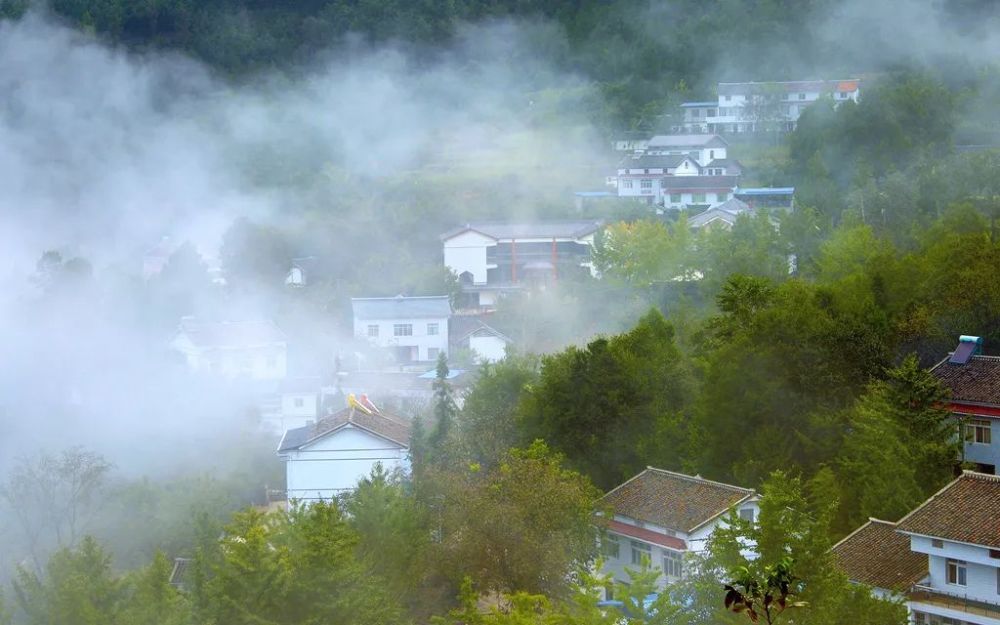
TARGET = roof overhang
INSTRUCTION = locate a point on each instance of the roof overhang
(647, 535)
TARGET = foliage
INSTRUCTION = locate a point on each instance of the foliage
(628, 389)
(522, 525)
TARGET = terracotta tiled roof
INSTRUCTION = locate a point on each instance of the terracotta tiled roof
(877, 555)
(394, 429)
(674, 500)
(977, 380)
(966, 510)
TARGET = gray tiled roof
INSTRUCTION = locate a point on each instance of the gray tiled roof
(391, 428)
(685, 141)
(655, 161)
(727, 211)
(399, 307)
(568, 229)
(674, 500)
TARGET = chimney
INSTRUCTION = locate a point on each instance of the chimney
(968, 346)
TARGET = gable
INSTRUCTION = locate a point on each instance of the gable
(469, 238)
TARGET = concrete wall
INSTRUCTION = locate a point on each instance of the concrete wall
(421, 338)
(467, 252)
(981, 569)
(335, 463)
(488, 348)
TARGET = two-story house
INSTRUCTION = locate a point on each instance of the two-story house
(662, 515)
(255, 349)
(415, 329)
(943, 557)
(974, 382)
(641, 175)
(763, 106)
(491, 258)
(702, 148)
(328, 458)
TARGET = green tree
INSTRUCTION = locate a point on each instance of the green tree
(78, 587)
(521, 526)
(629, 389)
(488, 424)
(441, 439)
(151, 599)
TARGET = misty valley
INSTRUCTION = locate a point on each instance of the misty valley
(602, 312)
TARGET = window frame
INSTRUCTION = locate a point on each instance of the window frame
(957, 570)
(978, 432)
(673, 563)
(433, 329)
(373, 330)
(402, 329)
(611, 540)
(676, 198)
(639, 549)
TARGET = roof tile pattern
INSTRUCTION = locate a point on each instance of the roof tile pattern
(673, 500)
(392, 428)
(967, 510)
(877, 555)
(977, 381)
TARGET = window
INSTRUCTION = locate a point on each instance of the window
(698, 198)
(640, 551)
(626, 183)
(432, 353)
(995, 553)
(675, 198)
(711, 155)
(711, 112)
(802, 96)
(646, 185)
(937, 543)
(978, 431)
(373, 331)
(610, 546)
(402, 329)
(747, 514)
(299, 402)
(725, 98)
(673, 563)
(271, 362)
(956, 572)
(432, 329)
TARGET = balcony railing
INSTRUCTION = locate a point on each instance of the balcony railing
(954, 601)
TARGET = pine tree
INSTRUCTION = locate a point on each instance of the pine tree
(444, 412)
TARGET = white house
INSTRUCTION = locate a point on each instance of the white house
(759, 106)
(955, 534)
(722, 215)
(328, 458)
(414, 328)
(662, 515)
(703, 148)
(491, 258)
(473, 333)
(641, 175)
(255, 350)
(683, 191)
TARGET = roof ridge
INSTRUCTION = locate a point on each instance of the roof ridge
(699, 478)
(976, 475)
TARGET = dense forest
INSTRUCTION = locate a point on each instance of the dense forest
(788, 354)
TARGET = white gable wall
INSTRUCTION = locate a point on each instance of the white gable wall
(488, 348)
(333, 464)
(467, 252)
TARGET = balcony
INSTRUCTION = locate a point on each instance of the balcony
(953, 601)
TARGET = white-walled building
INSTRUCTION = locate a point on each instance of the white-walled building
(662, 515)
(491, 258)
(952, 573)
(703, 148)
(414, 328)
(684, 191)
(473, 333)
(328, 458)
(255, 350)
(762, 106)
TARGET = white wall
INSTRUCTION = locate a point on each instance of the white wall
(488, 348)
(420, 338)
(263, 362)
(467, 252)
(335, 463)
(981, 568)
